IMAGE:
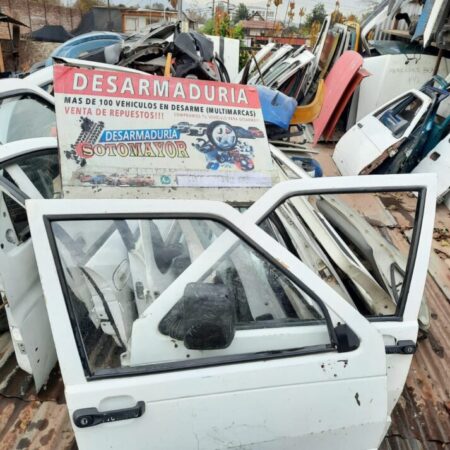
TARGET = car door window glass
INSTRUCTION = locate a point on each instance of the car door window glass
(359, 243)
(119, 272)
(18, 218)
(26, 116)
(43, 171)
(398, 117)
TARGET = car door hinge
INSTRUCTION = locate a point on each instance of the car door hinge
(402, 348)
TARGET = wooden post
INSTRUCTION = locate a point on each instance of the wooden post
(71, 19)
(2, 64)
(45, 13)
(168, 66)
(438, 62)
(29, 14)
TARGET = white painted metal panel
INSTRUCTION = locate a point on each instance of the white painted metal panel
(392, 75)
(398, 365)
(26, 310)
(313, 401)
(228, 52)
(438, 9)
(369, 139)
(438, 162)
(353, 151)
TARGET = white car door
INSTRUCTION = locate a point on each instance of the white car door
(26, 111)
(355, 231)
(28, 169)
(244, 347)
(368, 143)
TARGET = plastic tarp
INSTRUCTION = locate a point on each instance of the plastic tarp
(51, 33)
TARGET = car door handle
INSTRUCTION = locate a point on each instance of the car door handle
(89, 417)
(401, 348)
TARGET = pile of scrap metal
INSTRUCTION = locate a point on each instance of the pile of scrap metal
(307, 76)
(186, 55)
(294, 70)
(405, 135)
(161, 50)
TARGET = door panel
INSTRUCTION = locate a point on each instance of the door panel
(379, 132)
(360, 243)
(25, 176)
(276, 385)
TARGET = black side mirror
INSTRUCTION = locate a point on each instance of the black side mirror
(209, 316)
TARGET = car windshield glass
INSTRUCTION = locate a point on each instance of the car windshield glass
(24, 117)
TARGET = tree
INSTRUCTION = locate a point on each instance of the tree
(86, 5)
(194, 12)
(301, 14)
(336, 15)
(221, 25)
(290, 13)
(352, 17)
(318, 14)
(241, 13)
(290, 30)
(208, 27)
(277, 3)
(159, 6)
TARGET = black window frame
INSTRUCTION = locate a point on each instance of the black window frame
(199, 363)
(414, 245)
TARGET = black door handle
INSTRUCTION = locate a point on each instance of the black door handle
(401, 348)
(89, 417)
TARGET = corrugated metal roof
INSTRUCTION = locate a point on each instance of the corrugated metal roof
(27, 420)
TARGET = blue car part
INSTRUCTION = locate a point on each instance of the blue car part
(85, 43)
(437, 133)
(309, 165)
(277, 108)
(414, 149)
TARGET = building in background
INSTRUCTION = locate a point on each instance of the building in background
(266, 13)
(258, 31)
(135, 20)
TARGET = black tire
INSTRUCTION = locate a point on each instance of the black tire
(210, 132)
(3, 321)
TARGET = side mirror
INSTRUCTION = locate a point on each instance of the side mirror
(209, 316)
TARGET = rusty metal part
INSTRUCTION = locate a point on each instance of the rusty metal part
(27, 420)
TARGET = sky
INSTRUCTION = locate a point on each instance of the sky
(346, 6)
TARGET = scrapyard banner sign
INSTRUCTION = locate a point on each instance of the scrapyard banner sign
(142, 132)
